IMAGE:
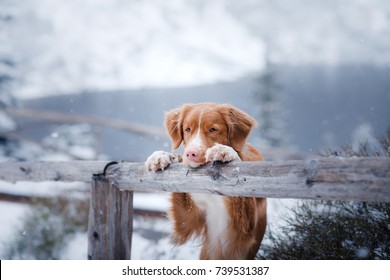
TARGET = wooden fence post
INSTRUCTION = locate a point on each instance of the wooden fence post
(110, 225)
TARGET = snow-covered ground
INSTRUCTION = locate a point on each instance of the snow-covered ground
(10, 218)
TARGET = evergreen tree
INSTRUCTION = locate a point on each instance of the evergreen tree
(270, 108)
(7, 61)
(7, 77)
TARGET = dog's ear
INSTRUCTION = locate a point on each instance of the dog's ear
(173, 124)
(239, 124)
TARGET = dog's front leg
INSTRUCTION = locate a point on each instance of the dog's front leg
(187, 218)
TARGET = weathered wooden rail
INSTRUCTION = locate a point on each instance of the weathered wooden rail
(111, 211)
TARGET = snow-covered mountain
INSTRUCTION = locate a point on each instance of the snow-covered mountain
(92, 45)
(326, 32)
(72, 46)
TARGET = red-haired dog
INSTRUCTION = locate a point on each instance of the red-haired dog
(230, 227)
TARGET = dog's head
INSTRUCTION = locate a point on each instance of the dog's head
(200, 126)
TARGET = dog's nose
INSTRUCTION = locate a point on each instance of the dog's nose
(193, 155)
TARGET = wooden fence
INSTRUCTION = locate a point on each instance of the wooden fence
(111, 204)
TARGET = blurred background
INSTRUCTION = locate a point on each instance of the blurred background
(314, 74)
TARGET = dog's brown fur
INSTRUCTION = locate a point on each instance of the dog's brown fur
(209, 124)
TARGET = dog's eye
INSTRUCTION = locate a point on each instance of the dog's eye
(213, 129)
(188, 129)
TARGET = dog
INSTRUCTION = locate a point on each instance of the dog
(229, 227)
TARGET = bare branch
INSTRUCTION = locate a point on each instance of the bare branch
(140, 129)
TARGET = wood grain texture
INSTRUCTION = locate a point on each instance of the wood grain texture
(110, 223)
(364, 179)
(73, 171)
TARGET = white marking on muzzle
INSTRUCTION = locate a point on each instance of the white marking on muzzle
(196, 142)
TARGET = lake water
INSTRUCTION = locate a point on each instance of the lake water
(321, 106)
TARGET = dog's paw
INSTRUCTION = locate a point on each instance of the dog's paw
(222, 153)
(160, 160)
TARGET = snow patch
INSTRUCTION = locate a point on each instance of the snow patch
(363, 134)
(157, 202)
(77, 248)
(6, 123)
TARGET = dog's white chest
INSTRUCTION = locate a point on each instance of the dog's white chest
(217, 218)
